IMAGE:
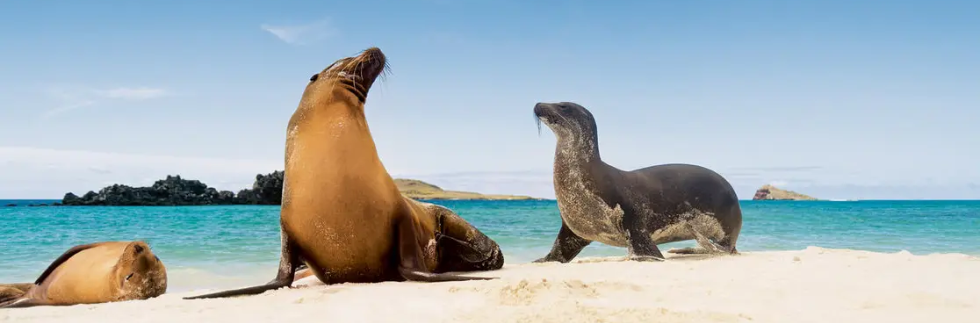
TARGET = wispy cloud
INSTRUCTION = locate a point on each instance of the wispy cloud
(302, 34)
(139, 93)
(72, 99)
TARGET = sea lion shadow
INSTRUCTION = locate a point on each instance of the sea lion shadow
(670, 258)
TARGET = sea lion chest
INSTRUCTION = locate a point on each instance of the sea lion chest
(583, 209)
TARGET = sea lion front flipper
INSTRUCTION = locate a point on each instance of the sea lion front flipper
(566, 246)
(411, 265)
(288, 262)
(61, 259)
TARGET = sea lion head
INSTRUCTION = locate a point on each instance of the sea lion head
(348, 79)
(140, 273)
(567, 120)
(462, 247)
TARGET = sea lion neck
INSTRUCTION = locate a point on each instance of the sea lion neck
(576, 149)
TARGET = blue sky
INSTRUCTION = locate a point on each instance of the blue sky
(877, 99)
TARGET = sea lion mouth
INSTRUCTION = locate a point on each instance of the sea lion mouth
(360, 72)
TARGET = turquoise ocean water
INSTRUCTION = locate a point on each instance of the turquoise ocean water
(232, 246)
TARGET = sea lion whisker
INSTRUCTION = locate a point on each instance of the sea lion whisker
(537, 121)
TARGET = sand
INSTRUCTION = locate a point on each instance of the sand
(812, 285)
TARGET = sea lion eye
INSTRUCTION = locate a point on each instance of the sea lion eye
(314, 77)
(130, 276)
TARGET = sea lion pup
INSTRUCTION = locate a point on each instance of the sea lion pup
(94, 273)
(342, 215)
(636, 209)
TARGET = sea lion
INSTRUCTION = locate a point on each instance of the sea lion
(94, 273)
(636, 209)
(342, 214)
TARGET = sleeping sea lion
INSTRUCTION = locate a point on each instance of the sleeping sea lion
(93, 273)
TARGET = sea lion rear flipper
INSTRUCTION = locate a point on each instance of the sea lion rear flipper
(462, 247)
(61, 259)
(288, 262)
(411, 265)
(11, 292)
(23, 302)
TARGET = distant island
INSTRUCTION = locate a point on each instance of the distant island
(266, 190)
(417, 189)
(769, 192)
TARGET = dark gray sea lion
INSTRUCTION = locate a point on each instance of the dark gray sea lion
(636, 209)
(93, 273)
(342, 215)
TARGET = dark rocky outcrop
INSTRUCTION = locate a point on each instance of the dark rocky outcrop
(177, 191)
(267, 190)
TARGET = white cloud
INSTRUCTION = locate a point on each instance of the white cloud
(301, 34)
(49, 173)
(72, 99)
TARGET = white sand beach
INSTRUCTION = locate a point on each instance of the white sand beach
(812, 285)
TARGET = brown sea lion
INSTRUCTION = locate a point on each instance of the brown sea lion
(94, 273)
(342, 215)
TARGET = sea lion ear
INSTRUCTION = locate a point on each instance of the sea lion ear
(136, 248)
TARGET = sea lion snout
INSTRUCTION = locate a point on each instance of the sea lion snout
(542, 109)
(355, 74)
(367, 66)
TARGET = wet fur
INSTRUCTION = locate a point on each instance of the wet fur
(342, 215)
(636, 209)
